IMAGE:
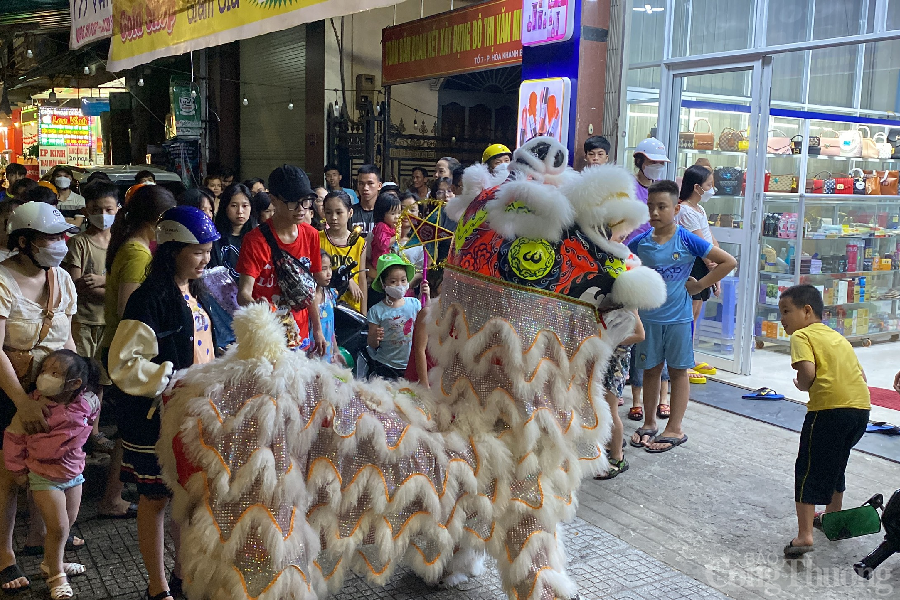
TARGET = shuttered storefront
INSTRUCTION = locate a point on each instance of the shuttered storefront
(272, 75)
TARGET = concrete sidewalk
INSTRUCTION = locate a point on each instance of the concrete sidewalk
(707, 520)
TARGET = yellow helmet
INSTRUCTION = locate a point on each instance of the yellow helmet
(495, 150)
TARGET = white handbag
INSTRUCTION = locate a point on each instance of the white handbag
(884, 148)
(851, 143)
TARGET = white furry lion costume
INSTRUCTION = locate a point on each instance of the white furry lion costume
(286, 472)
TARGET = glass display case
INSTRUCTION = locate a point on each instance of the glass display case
(838, 230)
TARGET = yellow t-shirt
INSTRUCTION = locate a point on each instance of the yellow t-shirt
(129, 266)
(839, 382)
(340, 255)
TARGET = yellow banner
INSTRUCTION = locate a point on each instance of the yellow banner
(144, 30)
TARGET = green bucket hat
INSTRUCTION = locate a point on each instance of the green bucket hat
(389, 260)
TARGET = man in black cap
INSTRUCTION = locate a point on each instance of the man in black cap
(292, 197)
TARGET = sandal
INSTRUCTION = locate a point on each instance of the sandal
(663, 411)
(792, 551)
(10, 574)
(817, 520)
(616, 467)
(642, 433)
(763, 393)
(636, 413)
(665, 440)
(705, 369)
(160, 596)
(61, 591)
(695, 377)
(69, 569)
(71, 546)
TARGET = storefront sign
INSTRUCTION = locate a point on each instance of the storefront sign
(482, 36)
(544, 107)
(91, 20)
(547, 21)
(64, 137)
(144, 30)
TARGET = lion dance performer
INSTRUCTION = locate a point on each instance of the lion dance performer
(286, 472)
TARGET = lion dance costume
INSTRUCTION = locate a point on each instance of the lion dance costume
(287, 472)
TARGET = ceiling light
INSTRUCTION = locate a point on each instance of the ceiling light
(87, 70)
(141, 82)
(245, 101)
(29, 54)
(51, 97)
(648, 9)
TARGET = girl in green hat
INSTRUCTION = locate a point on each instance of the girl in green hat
(391, 321)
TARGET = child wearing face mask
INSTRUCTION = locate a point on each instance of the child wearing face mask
(391, 321)
(53, 461)
(86, 263)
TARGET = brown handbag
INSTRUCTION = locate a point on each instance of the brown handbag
(21, 360)
(873, 183)
(889, 180)
(729, 140)
(704, 140)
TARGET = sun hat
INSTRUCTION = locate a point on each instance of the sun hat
(385, 261)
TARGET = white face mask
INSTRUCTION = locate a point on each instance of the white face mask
(62, 183)
(102, 221)
(654, 172)
(52, 255)
(50, 385)
(707, 194)
(396, 291)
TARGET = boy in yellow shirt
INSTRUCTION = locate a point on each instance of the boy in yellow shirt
(837, 413)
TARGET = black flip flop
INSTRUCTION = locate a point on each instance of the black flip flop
(792, 551)
(39, 550)
(673, 442)
(651, 433)
(10, 574)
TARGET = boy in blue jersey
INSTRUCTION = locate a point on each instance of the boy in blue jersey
(670, 249)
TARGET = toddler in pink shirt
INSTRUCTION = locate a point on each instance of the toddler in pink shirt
(53, 461)
(386, 216)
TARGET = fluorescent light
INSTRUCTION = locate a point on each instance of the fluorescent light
(648, 9)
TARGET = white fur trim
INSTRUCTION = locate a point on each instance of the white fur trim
(548, 213)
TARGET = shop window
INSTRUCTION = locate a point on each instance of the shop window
(831, 76)
(881, 73)
(647, 33)
(893, 15)
(727, 83)
(836, 18)
(787, 77)
(709, 26)
(788, 22)
(480, 126)
(644, 78)
(453, 120)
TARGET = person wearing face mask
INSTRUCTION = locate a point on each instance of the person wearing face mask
(71, 203)
(650, 162)
(696, 188)
(86, 263)
(37, 302)
(391, 321)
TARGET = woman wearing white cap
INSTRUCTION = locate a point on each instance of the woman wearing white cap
(37, 301)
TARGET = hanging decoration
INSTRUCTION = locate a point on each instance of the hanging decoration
(427, 232)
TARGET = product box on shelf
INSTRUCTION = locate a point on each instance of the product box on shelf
(842, 288)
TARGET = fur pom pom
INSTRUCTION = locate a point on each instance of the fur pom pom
(258, 333)
(639, 288)
(603, 197)
(542, 212)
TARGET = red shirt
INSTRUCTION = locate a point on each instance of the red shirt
(255, 260)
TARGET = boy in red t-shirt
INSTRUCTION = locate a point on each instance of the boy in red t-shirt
(292, 197)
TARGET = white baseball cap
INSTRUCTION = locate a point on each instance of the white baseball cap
(653, 149)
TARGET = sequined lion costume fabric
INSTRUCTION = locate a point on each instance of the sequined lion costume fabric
(286, 472)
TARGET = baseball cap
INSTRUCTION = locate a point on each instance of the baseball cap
(290, 183)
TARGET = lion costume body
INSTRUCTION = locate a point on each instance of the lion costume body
(286, 472)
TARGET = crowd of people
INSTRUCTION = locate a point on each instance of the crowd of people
(102, 299)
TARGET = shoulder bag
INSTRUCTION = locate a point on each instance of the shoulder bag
(889, 180)
(295, 280)
(893, 138)
(778, 144)
(830, 146)
(730, 140)
(704, 140)
(21, 359)
(825, 185)
(859, 181)
(873, 183)
(869, 149)
(728, 181)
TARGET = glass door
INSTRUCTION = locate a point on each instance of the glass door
(714, 119)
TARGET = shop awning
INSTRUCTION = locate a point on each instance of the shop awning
(144, 30)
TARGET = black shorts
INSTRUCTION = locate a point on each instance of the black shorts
(825, 443)
(698, 272)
